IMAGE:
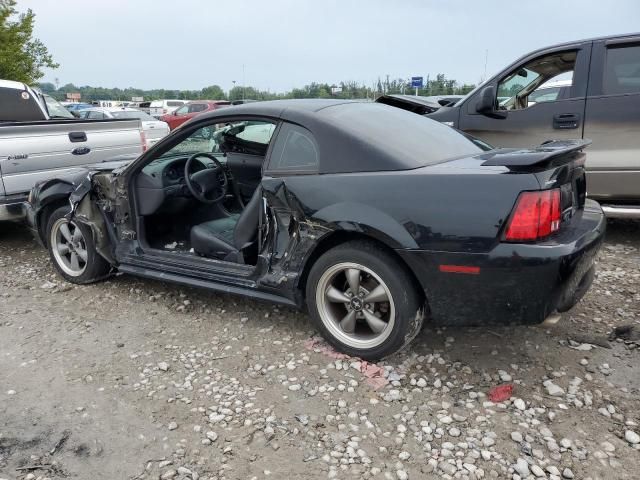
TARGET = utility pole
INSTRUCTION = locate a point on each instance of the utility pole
(486, 59)
(243, 84)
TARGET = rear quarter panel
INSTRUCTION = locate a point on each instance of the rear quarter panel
(432, 208)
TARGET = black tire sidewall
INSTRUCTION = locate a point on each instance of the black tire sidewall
(406, 299)
(97, 267)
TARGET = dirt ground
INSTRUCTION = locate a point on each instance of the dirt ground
(135, 379)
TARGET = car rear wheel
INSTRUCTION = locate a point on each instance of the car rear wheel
(72, 250)
(363, 301)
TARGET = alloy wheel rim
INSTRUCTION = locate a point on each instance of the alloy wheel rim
(355, 305)
(69, 247)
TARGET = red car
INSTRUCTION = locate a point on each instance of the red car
(190, 110)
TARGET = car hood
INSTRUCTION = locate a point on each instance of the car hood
(419, 104)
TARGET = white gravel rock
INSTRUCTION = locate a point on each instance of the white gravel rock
(553, 389)
(567, 473)
(516, 437)
(632, 437)
(553, 470)
(537, 471)
(522, 467)
(519, 404)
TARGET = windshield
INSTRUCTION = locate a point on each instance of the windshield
(55, 108)
(133, 114)
(516, 82)
(250, 137)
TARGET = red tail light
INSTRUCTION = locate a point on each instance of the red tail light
(143, 139)
(537, 215)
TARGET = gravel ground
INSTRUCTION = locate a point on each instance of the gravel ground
(135, 379)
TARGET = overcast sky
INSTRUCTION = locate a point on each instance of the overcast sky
(189, 44)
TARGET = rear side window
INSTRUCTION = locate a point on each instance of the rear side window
(96, 116)
(197, 107)
(622, 70)
(295, 150)
(18, 106)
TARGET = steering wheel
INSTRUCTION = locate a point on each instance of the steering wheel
(204, 183)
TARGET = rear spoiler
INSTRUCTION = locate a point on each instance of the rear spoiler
(526, 157)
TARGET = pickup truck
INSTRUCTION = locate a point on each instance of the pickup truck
(40, 140)
(599, 99)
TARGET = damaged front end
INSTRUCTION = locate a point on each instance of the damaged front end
(91, 199)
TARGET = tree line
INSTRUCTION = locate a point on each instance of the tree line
(439, 85)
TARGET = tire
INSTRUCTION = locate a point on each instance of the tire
(350, 327)
(88, 266)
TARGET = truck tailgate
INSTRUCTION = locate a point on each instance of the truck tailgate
(35, 151)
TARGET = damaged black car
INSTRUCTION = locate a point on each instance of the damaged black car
(372, 218)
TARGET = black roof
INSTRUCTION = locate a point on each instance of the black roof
(276, 108)
(359, 136)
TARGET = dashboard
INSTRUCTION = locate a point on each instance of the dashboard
(164, 178)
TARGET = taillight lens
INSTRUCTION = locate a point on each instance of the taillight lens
(143, 139)
(537, 215)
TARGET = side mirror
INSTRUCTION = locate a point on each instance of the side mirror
(175, 112)
(487, 105)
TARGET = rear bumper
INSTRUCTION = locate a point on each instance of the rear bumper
(515, 283)
(622, 211)
(13, 209)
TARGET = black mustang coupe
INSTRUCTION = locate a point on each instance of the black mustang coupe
(372, 218)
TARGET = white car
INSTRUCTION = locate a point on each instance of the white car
(159, 108)
(154, 130)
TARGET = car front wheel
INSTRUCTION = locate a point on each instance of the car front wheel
(72, 250)
(364, 301)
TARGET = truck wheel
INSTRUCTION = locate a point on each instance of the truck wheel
(72, 249)
(363, 301)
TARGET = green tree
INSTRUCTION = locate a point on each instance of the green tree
(22, 57)
(212, 92)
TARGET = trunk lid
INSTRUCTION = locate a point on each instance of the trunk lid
(556, 164)
(155, 130)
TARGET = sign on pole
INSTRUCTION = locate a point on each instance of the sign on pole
(416, 82)
(137, 99)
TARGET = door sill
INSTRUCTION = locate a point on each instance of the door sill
(209, 284)
(191, 265)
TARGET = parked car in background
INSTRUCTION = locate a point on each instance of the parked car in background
(158, 108)
(153, 129)
(106, 103)
(550, 92)
(144, 107)
(76, 107)
(40, 140)
(191, 109)
(371, 248)
(419, 104)
(601, 103)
